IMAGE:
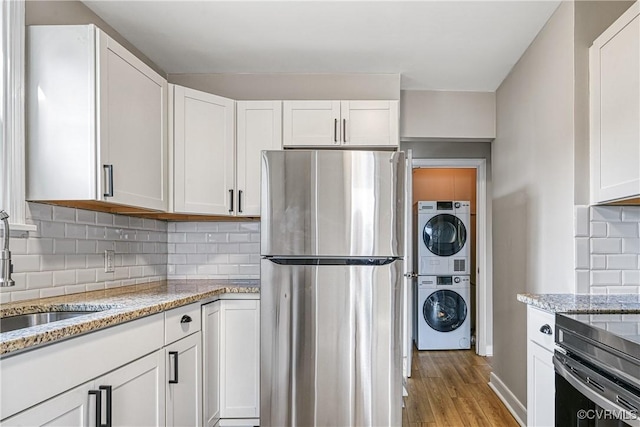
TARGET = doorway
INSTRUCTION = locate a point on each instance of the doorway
(463, 180)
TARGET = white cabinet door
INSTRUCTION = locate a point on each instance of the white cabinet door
(311, 123)
(259, 127)
(184, 382)
(240, 359)
(137, 392)
(615, 110)
(211, 363)
(540, 387)
(132, 122)
(73, 408)
(540, 371)
(231, 360)
(370, 123)
(203, 150)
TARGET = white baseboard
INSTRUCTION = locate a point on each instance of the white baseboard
(517, 409)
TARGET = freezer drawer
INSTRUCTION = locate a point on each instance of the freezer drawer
(330, 345)
(332, 203)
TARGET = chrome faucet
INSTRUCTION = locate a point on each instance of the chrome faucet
(6, 268)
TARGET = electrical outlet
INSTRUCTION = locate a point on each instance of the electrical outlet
(109, 261)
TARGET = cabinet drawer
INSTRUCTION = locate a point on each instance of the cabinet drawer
(177, 324)
(539, 322)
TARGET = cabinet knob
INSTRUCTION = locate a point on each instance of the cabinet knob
(186, 319)
(546, 329)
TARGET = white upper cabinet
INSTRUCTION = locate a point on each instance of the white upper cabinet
(203, 152)
(216, 173)
(96, 120)
(259, 127)
(311, 123)
(369, 123)
(615, 110)
(340, 123)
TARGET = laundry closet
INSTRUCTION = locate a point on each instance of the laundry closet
(445, 257)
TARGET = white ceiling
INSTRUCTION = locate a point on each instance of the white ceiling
(437, 45)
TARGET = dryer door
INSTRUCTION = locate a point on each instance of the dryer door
(444, 235)
(444, 310)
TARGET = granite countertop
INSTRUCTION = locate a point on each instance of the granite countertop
(116, 306)
(583, 303)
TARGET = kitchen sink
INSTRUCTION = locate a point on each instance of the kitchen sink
(21, 321)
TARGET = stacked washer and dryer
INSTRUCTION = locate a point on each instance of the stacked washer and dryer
(443, 299)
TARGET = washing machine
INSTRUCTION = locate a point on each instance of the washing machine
(442, 313)
(443, 238)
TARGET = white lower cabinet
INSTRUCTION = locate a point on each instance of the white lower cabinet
(231, 362)
(540, 371)
(132, 395)
(184, 382)
(137, 392)
(70, 409)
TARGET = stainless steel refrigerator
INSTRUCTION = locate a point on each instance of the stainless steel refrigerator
(331, 279)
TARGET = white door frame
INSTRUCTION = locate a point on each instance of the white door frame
(484, 282)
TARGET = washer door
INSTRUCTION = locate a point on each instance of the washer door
(444, 235)
(444, 310)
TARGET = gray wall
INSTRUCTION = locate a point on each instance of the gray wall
(540, 168)
(53, 12)
(294, 86)
(591, 19)
(447, 115)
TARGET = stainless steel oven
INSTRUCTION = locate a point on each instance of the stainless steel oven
(597, 369)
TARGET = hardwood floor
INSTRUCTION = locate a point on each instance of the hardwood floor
(450, 388)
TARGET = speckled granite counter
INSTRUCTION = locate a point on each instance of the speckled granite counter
(583, 303)
(116, 306)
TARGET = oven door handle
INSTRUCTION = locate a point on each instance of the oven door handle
(600, 400)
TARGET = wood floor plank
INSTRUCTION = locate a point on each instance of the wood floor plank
(450, 388)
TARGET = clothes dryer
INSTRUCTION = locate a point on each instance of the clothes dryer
(443, 237)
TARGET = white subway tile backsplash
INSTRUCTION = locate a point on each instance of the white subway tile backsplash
(51, 292)
(222, 250)
(62, 214)
(39, 211)
(228, 226)
(631, 277)
(64, 277)
(582, 252)
(622, 290)
(623, 229)
(38, 246)
(26, 263)
(606, 213)
(606, 277)
(66, 253)
(186, 226)
(64, 246)
(631, 246)
(622, 262)
(51, 229)
(598, 229)
(85, 217)
(598, 262)
(75, 231)
(52, 262)
(581, 221)
(75, 261)
(614, 249)
(39, 280)
(606, 245)
(104, 218)
(631, 213)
